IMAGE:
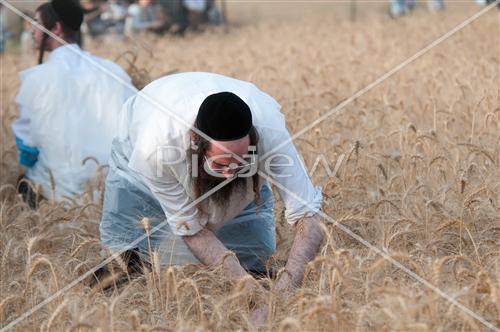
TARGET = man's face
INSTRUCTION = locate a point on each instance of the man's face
(222, 161)
(145, 3)
(37, 33)
(225, 157)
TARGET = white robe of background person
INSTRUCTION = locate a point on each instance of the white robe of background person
(69, 109)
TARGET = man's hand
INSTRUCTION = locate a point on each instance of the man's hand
(308, 237)
(211, 251)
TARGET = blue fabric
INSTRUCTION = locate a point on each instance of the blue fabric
(401, 7)
(398, 7)
(4, 36)
(251, 235)
(28, 155)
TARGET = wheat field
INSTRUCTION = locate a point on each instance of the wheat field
(416, 173)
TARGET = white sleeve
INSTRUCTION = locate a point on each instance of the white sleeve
(285, 167)
(22, 126)
(182, 215)
(28, 100)
(34, 95)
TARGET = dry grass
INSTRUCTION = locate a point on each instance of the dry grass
(420, 178)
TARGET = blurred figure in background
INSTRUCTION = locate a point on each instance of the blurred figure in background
(487, 2)
(435, 5)
(26, 42)
(176, 15)
(104, 17)
(145, 15)
(196, 12)
(94, 25)
(202, 12)
(129, 17)
(68, 108)
(4, 35)
(114, 15)
(214, 15)
(401, 7)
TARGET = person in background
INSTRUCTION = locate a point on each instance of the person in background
(196, 12)
(93, 22)
(176, 15)
(4, 35)
(214, 15)
(68, 108)
(488, 2)
(401, 7)
(435, 5)
(202, 12)
(145, 15)
(114, 16)
(26, 41)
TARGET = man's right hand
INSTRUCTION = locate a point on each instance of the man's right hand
(211, 251)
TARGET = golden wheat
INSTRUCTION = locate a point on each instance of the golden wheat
(416, 173)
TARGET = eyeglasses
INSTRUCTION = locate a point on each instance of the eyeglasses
(236, 168)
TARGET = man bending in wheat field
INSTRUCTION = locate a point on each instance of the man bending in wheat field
(181, 139)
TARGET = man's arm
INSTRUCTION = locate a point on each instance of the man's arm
(210, 251)
(308, 238)
(286, 169)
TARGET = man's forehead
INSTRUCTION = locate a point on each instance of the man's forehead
(223, 155)
(238, 147)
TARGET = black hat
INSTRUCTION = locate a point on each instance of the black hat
(224, 117)
(69, 12)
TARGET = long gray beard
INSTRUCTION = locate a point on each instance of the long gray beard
(222, 196)
(205, 182)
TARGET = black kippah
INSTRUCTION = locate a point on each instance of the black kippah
(224, 117)
(69, 12)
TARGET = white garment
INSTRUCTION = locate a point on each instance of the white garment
(26, 48)
(115, 12)
(69, 110)
(26, 42)
(195, 5)
(153, 141)
(133, 12)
